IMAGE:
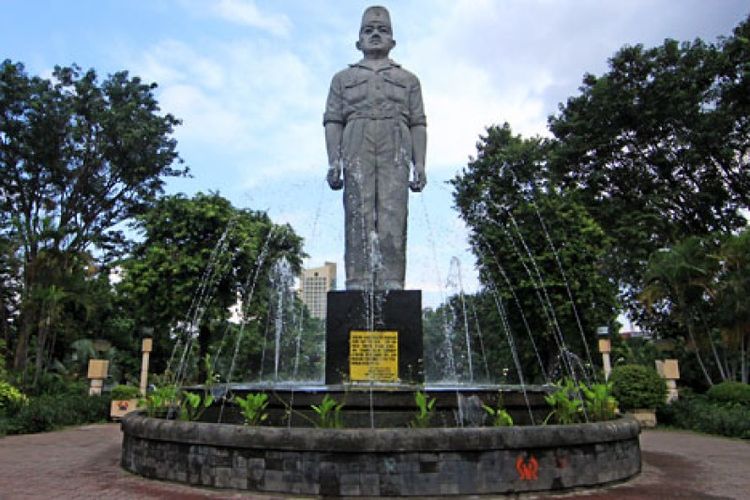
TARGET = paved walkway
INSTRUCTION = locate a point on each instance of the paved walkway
(83, 462)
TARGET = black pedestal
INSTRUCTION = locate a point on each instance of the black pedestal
(396, 310)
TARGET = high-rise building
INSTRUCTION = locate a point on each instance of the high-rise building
(315, 283)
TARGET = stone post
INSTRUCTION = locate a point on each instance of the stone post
(669, 369)
(146, 347)
(605, 347)
(97, 373)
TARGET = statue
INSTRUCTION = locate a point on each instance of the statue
(375, 131)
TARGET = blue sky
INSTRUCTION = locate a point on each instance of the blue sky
(249, 79)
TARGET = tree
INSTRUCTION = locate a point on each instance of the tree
(658, 148)
(702, 284)
(78, 157)
(732, 291)
(678, 279)
(539, 253)
(198, 257)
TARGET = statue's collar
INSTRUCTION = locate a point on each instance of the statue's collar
(364, 63)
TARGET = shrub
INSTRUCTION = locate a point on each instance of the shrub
(500, 416)
(329, 413)
(120, 392)
(50, 411)
(159, 402)
(699, 413)
(636, 386)
(598, 400)
(11, 399)
(730, 392)
(566, 404)
(425, 410)
(252, 407)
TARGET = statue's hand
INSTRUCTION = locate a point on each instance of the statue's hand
(334, 178)
(419, 181)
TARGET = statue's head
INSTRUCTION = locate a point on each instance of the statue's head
(375, 33)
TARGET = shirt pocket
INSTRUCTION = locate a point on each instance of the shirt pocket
(355, 91)
(395, 90)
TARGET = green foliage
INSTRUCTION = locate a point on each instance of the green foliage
(566, 404)
(730, 392)
(193, 405)
(328, 413)
(52, 411)
(635, 386)
(510, 207)
(499, 415)
(656, 146)
(180, 238)
(573, 403)
(598, 401)
(11, 398)
(161, 400)
(252, 407)
(79, 156)
(120, 392)
(425, 410)
(699, 413)
(649, 154)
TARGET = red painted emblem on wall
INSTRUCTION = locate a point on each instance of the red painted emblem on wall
(527, 469)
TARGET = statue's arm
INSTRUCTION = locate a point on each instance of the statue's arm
(333, 120)
(419, 149)
(418, 130)
(334, 132)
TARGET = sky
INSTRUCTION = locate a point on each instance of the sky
(249, 79)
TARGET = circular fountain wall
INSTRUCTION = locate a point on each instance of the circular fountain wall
(382, 461)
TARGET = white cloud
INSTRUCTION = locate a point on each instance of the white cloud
(247, 13)
(257, 105)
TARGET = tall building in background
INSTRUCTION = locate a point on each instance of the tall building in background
(315, 283)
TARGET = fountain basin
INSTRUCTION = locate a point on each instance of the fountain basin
(382, 462)
(383, 406)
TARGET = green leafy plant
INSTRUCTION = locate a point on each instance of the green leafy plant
(566, 403)
(425, 410)
(636, 386)
(703, 414)
(120, 392)
(193, 405)
(51, 411)
(499, 415)
(730, 392)
(11, 398)
(599, 403)
(158, 402)
(329, 413)
(252, 407)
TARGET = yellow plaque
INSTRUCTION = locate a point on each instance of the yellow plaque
(373, 356)
(671, 369)
(147, 345)
(604, 345)
(98, 368)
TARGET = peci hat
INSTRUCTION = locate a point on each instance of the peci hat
(376, 13)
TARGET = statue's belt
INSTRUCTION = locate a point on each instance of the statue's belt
(370, 115)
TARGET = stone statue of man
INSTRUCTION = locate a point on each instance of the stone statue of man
(375, 130)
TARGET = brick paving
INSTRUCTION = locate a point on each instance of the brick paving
(83, 462)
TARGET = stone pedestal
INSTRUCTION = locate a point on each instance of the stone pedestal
(384, 323)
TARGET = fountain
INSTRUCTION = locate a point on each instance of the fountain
(374, 360)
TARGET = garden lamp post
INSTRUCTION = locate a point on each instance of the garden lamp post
(605, 347)
(146, 347)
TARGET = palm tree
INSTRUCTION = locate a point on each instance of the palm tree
(681, 275)
(732, 292)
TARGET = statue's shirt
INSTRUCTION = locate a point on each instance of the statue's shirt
(363, 92)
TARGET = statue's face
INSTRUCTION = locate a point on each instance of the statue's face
(375, 37)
